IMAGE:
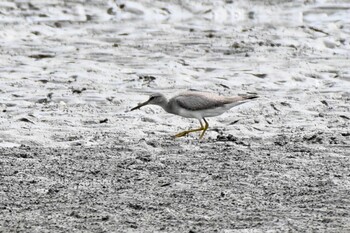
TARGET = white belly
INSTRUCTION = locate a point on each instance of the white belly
(203, 113)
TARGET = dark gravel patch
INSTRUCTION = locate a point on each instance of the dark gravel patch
(206, 186)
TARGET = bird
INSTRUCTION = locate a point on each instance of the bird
(195, 104)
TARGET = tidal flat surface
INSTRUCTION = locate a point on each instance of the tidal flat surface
(73, 158)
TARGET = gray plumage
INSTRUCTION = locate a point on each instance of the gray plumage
(196, 101)
(195, 104)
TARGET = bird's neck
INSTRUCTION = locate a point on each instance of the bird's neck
(165, 105)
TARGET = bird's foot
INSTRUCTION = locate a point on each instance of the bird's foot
(179, 135)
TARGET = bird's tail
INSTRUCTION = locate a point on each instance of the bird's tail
(238, 100)
(249, 97)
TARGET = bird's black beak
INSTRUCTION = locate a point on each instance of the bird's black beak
(140, 105)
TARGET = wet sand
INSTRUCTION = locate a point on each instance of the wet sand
(74, 158)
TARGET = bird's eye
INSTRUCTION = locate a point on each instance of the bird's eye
(151, 98)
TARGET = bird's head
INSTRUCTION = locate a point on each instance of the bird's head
(154, 99)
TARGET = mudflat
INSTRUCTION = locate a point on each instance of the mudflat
(74, 158)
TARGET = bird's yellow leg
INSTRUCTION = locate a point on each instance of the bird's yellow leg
(204, 129)
(184, 133)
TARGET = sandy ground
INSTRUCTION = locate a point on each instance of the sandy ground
(73, 158)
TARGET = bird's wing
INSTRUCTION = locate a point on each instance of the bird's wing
(199, 101)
